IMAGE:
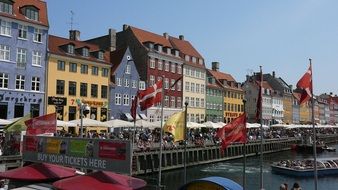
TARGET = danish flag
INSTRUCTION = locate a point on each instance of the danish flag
(305, 84)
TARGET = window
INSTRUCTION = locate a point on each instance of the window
(192, 102)
(5, 28)
(37, 35)
(166, 83)
(4, 53)
(133, 84)
(70, 48)
(179, 69)
(202, 102)
(197, 88)
(192, 72)
(37, 58)
(118, 81)
(200, 61)
(166, 101)
(32, 13)
(194, 59)
(6, 7)
(21, 58)
(187, 86)
(202, 88)
(84, 69)
(152, 63)
(151, 80)
(179, 86)
(173, 67)
(93, 90)
(95, 70)
(61, 65)
(192, 87)
(4, 80)
(187, 71)
(72, 88)
(73, 67)
(128, 69)
(160, 65)
(179, 102)
(100, 55)
(104, 91)
(186, 58)
(126, 82)
(83, 89)
(166, 66)
(172, 84)
(60, 87)
(142, 85)
(197, 102)
(172, 102)
(151, 117)
(105, 72)
(85, 52)
(22, 31)
(36, 84)
(126, 99)
(198, 74)
(159, 78)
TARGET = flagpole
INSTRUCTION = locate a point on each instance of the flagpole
(261, 130)
(314, 132)
(132, 147)
(161, 137)
(185, 142)
(244, 152)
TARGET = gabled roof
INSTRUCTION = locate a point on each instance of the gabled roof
(39, 4)
(296, 95)
(185, 47)
(56, 43)
(145, 36)
(221, 76)
(116, 58)
(266, 85)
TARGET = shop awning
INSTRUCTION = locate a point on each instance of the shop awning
(101, 180)
(143, 116)
(128, 116)
(38, 172)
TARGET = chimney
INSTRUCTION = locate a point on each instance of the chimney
(273, 74)
(125, 27)
(74, 35)
(331, 93)
(215, 66)
(181, 37)
(166, 35)
(112, 38)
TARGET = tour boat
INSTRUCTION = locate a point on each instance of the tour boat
(304, 168)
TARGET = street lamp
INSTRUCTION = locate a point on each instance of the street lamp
(84, 109)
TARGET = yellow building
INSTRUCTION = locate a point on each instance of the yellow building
(287, 105)
(305, 113)
(78, 72)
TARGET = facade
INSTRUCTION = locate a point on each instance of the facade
(78, 72)
(214, 99)
(125, 84)
(277, 107)
(330, 112)
(194, 79)
(23, 46)
(295, 108)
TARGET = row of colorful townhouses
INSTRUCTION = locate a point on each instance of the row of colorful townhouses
(42, 73)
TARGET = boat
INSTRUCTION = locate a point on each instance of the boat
(329, 148)
(307, 148)
(305, 168)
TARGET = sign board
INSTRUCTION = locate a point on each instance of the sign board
(95, 154)
(58, 101)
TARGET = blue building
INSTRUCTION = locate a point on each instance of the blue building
(125, 84)
(23, 47)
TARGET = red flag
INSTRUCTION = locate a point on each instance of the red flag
(259, 98)
(134, 107)
(41, 125)
(305, 84)
(234, 131)
(150, 96)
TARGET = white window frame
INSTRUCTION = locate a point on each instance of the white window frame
(117, 99)
(197, 88)
(9, 7)
(35, 84)
(197, 102)
(193, 59)
(179, 102)
(179, 86)
(128, 69)
(166, 83)
(126, 99)
(192, 102)
(118, 81)
(70, 48)
(166, 66)
(173, 67)
(151, 80)
(5, 53)
(126, 82)
(85, 52)
(21, 58)
(187, 86)
(142, 85)
(159, 64)
(37, 36)
(172, 102)
(36, 58)
(152, 63)
(21, 80)
(22, 32)
(133, 84)
(202, 88)
(172, 84)
(4, 78)
(5, 28)
(166, 101)
(192, 87)
(202, 102)
(179, 69)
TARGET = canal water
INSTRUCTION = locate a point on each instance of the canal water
(233, 170)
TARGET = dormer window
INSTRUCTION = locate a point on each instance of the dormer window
(200, 61)
(177, 53)
(168, 51)
(6, 6)
(100, 55)
(159, 48)
(70, 48)
(194, 59)
(187, 58)
(32, 13)
(85, 52)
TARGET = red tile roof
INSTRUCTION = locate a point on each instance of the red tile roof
(55, 44)
(116, 57)
(221, 76)
(266, 85)
(185, 47)
(145, 36)
(39, 4)
(296, 95)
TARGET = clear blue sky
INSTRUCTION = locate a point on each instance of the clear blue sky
(240, 34)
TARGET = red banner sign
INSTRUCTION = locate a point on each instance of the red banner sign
(41, 125)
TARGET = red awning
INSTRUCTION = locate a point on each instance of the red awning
(100, 180)
(38, 172)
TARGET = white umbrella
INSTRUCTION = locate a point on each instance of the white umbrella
(89, 123)
(213, 125)
(119, 123)
(158, 124)
(61, 123)
(5, 122)
(194, 125)
(221, 124)
(145, 124)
